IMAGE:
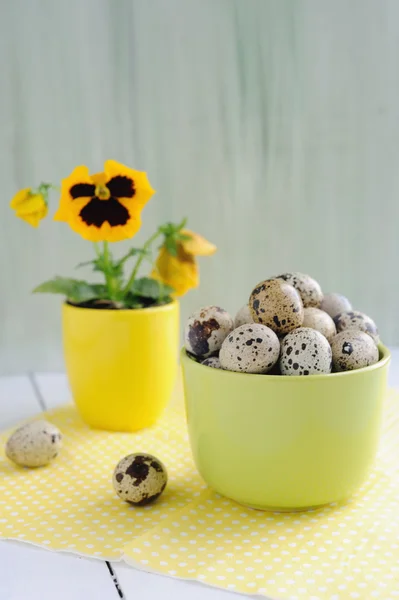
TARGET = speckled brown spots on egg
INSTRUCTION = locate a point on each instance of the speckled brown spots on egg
(306, 286)
(277, 305)
(354, 319)
(139, 479)
(35, 444)
(353, 349)
(213, 361)
(311, 352)
(206, 330)
(199, 335)
(257, 351)
(138, 470)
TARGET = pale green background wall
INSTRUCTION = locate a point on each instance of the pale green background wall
(272, 124)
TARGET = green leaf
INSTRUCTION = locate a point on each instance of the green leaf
(72, 289)
(150, 288)
(182, 224)
(132, 301)
(133, 252)
(171, 245)
(85, 264)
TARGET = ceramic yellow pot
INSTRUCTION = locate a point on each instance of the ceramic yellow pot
(121, 364)
(284, 443)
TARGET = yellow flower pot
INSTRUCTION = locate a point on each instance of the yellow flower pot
(121, 364)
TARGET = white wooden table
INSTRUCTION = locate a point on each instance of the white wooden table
(32, 573)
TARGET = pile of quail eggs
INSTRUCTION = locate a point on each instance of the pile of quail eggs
(288, 327)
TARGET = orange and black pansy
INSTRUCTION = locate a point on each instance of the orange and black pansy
(105, 206)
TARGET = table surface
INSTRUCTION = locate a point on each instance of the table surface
(38, 574)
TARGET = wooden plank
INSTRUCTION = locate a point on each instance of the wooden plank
(394, 368)
(45, 574)
(18, 400)
(148, 586)
(29, 572)
(53, 389)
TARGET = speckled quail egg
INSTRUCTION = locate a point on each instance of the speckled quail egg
(319, 320)
(243, 316)
(139, 478)
(276, 304)
(308, 288)
(34, 444)
(333, 304)
(212, 361)
(353, 349)
(305, 351)
(355, 319)
(251, 348)
(206, 330)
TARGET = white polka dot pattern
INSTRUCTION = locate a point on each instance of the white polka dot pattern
(337, 552)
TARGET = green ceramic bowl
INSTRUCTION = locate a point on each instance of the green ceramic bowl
(284, 443)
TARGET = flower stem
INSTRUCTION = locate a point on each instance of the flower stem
(107, 271)
(139, 261)
(97, 249)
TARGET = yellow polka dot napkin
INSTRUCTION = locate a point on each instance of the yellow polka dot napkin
(335, 553)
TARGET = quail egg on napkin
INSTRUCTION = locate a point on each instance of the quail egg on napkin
(35, 444)
(139, 478)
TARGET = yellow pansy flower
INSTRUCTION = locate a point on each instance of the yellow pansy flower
(30, 206)
(106, 206)
(181, 272)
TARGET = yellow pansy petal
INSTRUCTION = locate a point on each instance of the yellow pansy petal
(80, 175)
(142, 186)
(34, 218)
(31, 208)
(33, 203)
(19, 198)
(197, 245)
(180, 272)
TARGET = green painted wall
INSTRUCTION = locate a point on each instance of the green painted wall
(272, 124)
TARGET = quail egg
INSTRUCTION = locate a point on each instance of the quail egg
(206, 330)
(305, 351)
(139, 478)
(276, 304)
(308, 288)
(212, 361)
(243, 316)
(251, 348)
(34, 444)
(319, 320)
(355, 319)
(333, 304)
(353, 349)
